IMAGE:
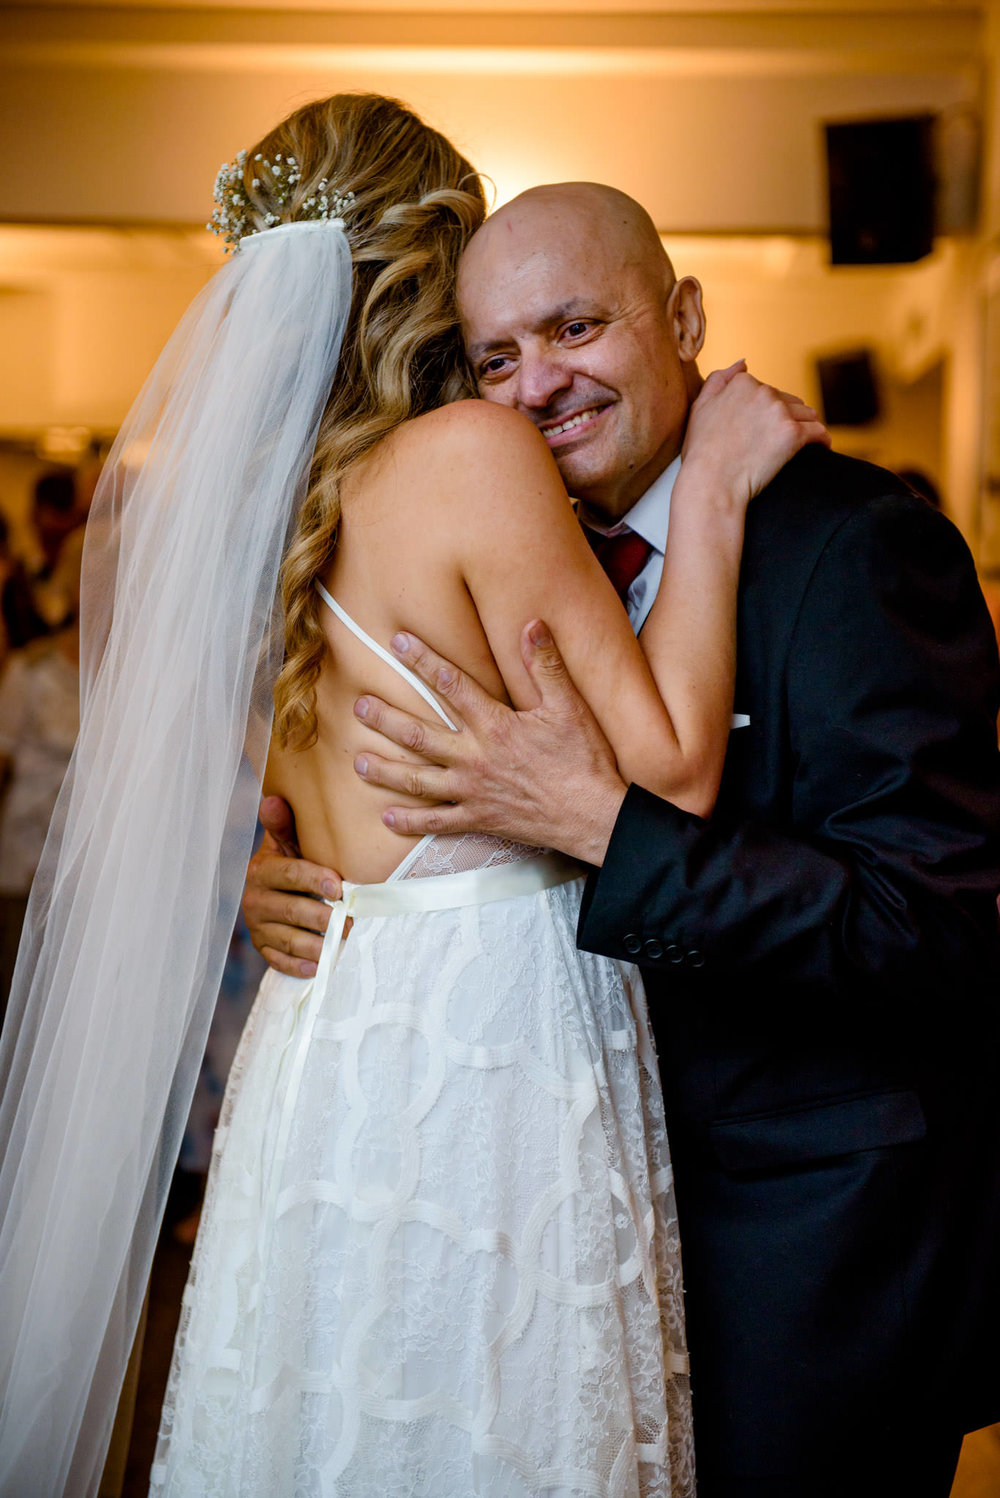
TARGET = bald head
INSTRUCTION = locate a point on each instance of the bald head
(573, 315)
(606, 219)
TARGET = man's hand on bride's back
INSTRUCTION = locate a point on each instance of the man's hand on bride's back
(546, 776)
(283, 898)
(742, 432)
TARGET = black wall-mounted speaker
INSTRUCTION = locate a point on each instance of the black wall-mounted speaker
(848, 388)
(881, 186)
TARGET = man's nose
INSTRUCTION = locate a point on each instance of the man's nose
(541, 377)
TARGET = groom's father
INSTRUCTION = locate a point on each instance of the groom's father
(822, 955)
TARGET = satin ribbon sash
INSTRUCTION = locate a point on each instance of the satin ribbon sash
(504, 881)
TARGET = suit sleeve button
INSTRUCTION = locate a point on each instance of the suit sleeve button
(673, 953)
(694, 958)
(632, 944)
(654, 948)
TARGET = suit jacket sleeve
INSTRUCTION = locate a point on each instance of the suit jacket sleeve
(880, 858)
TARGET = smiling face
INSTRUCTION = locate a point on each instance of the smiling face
(572, 315)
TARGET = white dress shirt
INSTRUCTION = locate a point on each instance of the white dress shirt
(649, 517)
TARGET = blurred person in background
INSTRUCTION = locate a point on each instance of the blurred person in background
(55, 512)
(39, 722)
(33, 599)
(8, 565)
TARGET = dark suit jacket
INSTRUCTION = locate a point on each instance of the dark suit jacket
(822, 962)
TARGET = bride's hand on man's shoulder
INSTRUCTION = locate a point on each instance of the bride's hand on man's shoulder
(742, 432)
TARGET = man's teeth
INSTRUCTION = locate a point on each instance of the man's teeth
(574, 421)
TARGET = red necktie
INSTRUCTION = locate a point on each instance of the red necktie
(622, 557)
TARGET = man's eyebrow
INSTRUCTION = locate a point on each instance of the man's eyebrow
(575, 307)
(476, 351)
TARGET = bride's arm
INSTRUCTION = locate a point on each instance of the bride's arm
(740, 433)
(521, 554)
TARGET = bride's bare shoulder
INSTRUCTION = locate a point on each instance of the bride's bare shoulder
(468, 432)
(464, 470)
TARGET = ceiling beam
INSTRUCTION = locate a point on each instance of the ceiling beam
(944, 31)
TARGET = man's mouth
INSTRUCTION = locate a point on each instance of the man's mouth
(571, 424)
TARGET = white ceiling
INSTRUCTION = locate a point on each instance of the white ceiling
(524, 10)
(710, 115)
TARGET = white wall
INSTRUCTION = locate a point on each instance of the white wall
(83, 316)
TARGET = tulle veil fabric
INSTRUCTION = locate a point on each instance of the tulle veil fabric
(134, 902)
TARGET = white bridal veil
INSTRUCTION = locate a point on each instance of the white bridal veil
(134, 902)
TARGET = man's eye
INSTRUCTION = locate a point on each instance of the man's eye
(576, 329)
(493, 366)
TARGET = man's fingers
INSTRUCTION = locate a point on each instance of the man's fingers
(285, 924)
(292, 967)
(273, 873)
(419, 821)
(426, 781)
(546, 666)
(302, 915)
(469, 702)
(432, 740)
(277, 820)
(294, 932)
(300, 941)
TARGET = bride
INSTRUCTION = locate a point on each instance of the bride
(438, 1253)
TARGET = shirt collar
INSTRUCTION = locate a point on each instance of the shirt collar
(649, 517)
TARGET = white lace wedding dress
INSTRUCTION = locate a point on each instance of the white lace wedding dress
(438, 1255)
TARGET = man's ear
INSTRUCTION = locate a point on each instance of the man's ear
(687, 318)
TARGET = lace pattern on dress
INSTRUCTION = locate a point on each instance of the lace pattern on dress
(458, 853)
(467, 1279)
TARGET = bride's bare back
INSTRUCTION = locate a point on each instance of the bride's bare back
(395, 567)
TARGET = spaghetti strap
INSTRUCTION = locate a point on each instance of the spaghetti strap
(383, 655)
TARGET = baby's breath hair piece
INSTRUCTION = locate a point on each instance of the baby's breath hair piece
(240, 209)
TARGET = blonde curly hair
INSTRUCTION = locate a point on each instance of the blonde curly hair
(416, 203)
